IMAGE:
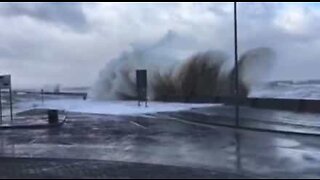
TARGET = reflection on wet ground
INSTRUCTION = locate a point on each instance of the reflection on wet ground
(161, 139)
(284, 121)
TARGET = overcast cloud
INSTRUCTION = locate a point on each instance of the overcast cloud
(69, 43)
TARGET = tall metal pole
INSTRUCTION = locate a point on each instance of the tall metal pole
(238, 145)
(236, 63)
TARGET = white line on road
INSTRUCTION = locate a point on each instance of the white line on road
(190, 123)
(137, 124)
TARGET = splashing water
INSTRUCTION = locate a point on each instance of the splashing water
(177, 72)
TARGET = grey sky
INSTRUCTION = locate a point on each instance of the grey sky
(69, 43)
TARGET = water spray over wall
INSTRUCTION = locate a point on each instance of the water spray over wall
(188, 77)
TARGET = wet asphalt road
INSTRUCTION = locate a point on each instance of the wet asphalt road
(168, 139)
(53, 168)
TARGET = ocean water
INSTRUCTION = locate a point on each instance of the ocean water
(309, 89)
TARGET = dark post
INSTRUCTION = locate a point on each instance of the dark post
(10, 89)
(53, 116)
(236, 64)
(141, 80)
(42, 100)
(0, 107)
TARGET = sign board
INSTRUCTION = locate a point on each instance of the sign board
(5, 82)
(141, 80)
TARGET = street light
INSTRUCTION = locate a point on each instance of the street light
(236, 62)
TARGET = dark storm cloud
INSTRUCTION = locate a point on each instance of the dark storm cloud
(67, 14)
(41, 40)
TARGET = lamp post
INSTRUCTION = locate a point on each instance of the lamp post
(236, 63)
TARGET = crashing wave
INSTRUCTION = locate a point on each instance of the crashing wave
(180, 72)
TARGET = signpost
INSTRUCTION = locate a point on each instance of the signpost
(141, 80)
(5, 83)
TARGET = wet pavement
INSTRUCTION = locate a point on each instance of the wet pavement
(48, 168)
(171, 139)
(264, 119)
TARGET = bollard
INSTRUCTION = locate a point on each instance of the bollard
(42, 99)
(53, 117)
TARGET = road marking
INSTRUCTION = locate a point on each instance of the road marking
(33, 141)
(148, 116)
(190, 123)
(137, 124)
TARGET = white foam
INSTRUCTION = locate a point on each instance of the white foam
(111, 107)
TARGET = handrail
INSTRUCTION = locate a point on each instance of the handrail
(83, 94)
